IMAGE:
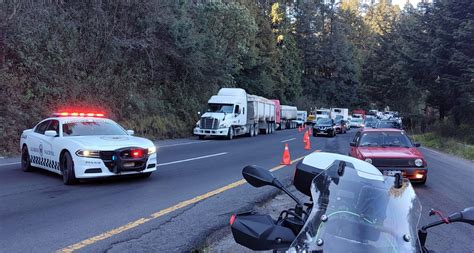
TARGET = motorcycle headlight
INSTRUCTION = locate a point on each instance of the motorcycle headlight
(419, 162)
(88, 153)
(368, 160)
(151, 150)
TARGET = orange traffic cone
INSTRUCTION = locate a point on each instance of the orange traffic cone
(306, 136)
(286, 156)
(307, 145)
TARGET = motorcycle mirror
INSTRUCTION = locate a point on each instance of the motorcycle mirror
(466, 216)
(258, 176)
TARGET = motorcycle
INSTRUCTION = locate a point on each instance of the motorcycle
(352, 207)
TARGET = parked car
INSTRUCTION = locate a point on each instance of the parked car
(370, 122)
(356, 122)
(341, 126)
(391, 151)
(389, 124)
(324, 126)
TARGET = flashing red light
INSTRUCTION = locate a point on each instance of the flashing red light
(78, 114)
(232, 219)
(136, 153)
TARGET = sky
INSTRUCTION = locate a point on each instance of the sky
(402, 3)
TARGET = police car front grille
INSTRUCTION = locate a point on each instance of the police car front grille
(106, 157)
(209, 123)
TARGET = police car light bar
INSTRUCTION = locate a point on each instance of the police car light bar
(77, 114)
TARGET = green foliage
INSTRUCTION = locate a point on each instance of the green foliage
(151, 65)
(449, 145)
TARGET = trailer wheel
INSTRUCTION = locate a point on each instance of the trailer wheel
(251, 131)
(257, 129)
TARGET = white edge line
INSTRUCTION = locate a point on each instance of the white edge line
(6, 164)
(288, 140)
(191, 159)
(179, 144)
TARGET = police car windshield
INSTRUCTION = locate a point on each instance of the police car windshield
(92, 127)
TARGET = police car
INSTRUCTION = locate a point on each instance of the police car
(85, 145)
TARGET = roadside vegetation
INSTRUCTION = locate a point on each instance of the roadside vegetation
(152, 65)
(446, 144)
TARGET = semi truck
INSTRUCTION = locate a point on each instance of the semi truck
(340, 112)
(233, 112)
(301, 117)
(322, 113)
(285, 115)
(358, 113)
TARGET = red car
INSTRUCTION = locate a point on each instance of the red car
(391, 151)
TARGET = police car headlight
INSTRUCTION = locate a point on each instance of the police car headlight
(151, 150)
(419, 162)
(88, 153)
(368, 160)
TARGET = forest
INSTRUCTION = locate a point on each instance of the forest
(153, 64)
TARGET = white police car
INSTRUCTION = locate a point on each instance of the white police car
(85, 145)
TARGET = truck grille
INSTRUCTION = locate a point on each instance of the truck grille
(389, 162)
(209, 123)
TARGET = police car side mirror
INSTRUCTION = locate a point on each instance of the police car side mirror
(51, 133)
(352, 144)
(130, 132)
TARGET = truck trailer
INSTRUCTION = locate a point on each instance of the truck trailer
(233, 112)
(285, 115)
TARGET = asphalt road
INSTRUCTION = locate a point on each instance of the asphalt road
(40, 214)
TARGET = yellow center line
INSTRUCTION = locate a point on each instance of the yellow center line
(130, 225)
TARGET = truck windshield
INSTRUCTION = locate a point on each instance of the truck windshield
(322, 112)
(223, 108)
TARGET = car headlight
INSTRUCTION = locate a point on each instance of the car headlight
(88, 153)
(368, 160)
(419, 162)
(151, 150)
(224, 124)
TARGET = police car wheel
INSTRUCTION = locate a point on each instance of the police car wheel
(25, 160)
(67, 167)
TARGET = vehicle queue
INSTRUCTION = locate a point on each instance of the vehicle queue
(81, 145)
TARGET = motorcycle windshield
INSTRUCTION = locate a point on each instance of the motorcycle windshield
(355, 211)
